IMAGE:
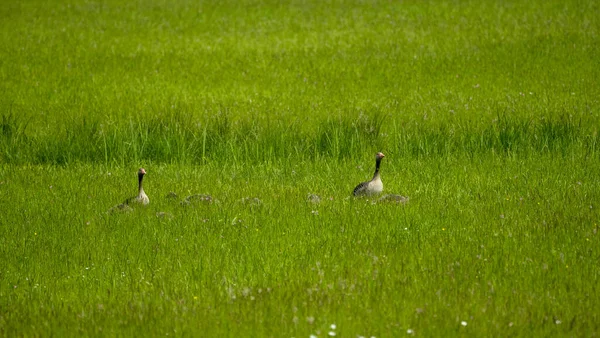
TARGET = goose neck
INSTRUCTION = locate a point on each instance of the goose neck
(140, 179)
(377, 165)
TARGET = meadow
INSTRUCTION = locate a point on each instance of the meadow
(487, 111)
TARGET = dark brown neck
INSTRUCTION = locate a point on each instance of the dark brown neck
(140, 178)
(377, 165)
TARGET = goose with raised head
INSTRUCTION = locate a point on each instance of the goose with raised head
(374, 186)
(141, 197)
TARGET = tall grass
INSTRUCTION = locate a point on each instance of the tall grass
(178, 138)
(114, 82)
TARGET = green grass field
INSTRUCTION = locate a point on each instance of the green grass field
(487, 111)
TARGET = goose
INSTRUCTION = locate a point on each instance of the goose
(141, 198)
(374, 186)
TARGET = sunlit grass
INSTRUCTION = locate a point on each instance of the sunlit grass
(487, 113)
(490, 242)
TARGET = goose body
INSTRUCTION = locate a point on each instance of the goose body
(375, 185)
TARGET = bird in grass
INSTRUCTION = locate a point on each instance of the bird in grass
(141, 197)
(374, 186)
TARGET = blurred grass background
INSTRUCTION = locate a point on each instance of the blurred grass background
(187, 81)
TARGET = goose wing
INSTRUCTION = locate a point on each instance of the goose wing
(360, 189)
